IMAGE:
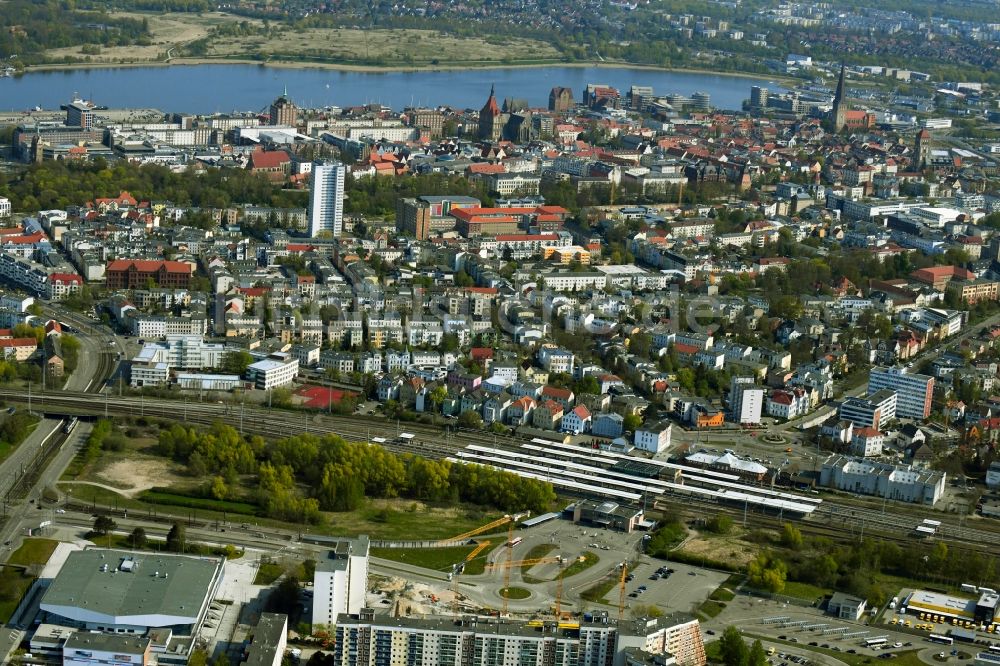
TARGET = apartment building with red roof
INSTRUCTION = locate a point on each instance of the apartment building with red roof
(136, 273)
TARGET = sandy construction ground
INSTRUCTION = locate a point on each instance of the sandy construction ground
(133, 475)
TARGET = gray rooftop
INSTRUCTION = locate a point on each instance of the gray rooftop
(115, 585)
(118, 643)
(267, 636)
(336, 558)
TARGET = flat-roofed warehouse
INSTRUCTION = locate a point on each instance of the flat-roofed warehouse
(942, 604)
(113, 590)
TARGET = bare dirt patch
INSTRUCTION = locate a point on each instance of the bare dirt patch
(134, 475)
(722, 548)
(399, 46)
(167, 31)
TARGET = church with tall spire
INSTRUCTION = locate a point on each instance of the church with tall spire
(491, 119)
(838, 115)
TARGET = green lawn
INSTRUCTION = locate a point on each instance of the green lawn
(405, 522)
(267, 573)
(514, 593)
(711, 608)
(33, 551)
(439, 559)
(14, 583)
(587, 560)
(722, 594)
(804, 591)
(598, 593)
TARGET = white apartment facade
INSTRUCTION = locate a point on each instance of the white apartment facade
(326, 198)
(340, 581)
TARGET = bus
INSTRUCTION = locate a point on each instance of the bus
(875, 643)
(68, 428)
(513, 542)
(995, 649)
(938, 638)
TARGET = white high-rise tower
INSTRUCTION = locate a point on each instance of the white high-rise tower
(326, 200)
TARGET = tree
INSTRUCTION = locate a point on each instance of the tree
(285, 597)
(175, 538)
(631, 422)
(767, 573)
(104, 524)
(791, 536)
(198, 658)
(437, 397)
(137, 539)
(471, 420)
(236, 362)
(757, 656)
(720, 523)
(733, 648)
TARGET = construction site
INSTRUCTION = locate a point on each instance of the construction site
(553, 570)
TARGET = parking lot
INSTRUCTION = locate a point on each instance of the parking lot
(683, 590)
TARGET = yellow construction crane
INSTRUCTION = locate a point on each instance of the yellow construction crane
(479, 530)
(525, 563)
(505, 591)
(621, 591)
(480, 547)
(559, 589)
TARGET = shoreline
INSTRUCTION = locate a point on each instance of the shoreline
(375, 69)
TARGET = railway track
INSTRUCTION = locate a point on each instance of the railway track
(844, 519)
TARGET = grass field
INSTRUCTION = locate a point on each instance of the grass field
(514, 593)
(170, 32)
(599, 592)
(397, 46)
(587, 560)
(711, 608)
(267, 573)
(804, 591)
(439, 559)
(33, 551)
(380, 519)
(14, 583)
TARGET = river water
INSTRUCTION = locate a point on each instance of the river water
(228, 87)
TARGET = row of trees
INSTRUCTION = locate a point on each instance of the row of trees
(58, 184)
(301, 476)
(861, 568)
(29, 28)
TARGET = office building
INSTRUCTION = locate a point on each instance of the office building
(80, 113)
(746, 401)
(914, 392)
(872, 412)
(326, 198)
(277, 370)
(367, 640)
(896, 482)
(340, 582)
